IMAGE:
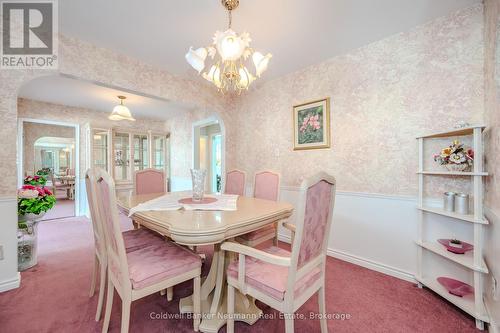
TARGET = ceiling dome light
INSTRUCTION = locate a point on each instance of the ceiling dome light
(229, 71)
(121, 112)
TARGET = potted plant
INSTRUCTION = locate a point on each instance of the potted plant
(35, 180)
(456, 243)
(32, 204)
(43, 172)
(456, 157)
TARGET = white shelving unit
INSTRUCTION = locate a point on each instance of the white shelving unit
(472, 304)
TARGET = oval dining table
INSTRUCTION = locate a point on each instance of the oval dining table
(204, 227)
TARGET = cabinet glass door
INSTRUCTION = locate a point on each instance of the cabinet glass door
(159, 152)
(141, 152)
(100, 149)
(121, 147)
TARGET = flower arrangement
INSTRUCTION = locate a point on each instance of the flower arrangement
(456, 157)
(35, 180)
(33, 200)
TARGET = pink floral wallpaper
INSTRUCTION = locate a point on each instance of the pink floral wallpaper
(86, 61)
(382, 96)
(48, 111)
(492, 102)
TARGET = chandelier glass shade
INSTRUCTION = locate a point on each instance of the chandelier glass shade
(228, 53)
(121, 112)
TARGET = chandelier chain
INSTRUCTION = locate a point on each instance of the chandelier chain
(230, 17)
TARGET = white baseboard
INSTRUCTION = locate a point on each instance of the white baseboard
(10, 284)
(375, 266)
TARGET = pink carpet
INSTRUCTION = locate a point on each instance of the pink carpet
(63, 208)
(54, 297)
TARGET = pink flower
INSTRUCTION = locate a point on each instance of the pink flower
(27, 193)
(28, 187)
(47, 191)
(470, 153)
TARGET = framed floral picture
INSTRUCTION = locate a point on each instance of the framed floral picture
(311, 125)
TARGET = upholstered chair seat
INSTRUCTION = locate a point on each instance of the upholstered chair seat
(137, 239)
(155, 263)
(271, 279)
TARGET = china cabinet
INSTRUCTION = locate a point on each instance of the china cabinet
(121, 152)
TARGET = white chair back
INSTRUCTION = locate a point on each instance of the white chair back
(314, 220)
(99, 240)
(115, 246)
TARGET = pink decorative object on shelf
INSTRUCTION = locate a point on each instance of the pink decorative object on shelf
(455, 287)
(190, 201)
(458, 250)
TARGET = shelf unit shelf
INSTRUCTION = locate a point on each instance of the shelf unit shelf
(469, 130)
(440, 211)
(452, 173)
(466, 303)
(466, 259)
(473, 260)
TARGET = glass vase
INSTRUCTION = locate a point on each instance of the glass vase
(198, 177)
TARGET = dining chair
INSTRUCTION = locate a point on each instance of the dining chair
(57, 184)
(145, 271)
(235, 182)
(266, 186)
(149, 181)
(286, 280)
(133, 239)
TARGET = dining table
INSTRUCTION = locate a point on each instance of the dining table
(210, 227)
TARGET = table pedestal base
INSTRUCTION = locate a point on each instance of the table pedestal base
(214, 299)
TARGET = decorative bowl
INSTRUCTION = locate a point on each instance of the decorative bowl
(454, 249)
(455, 287)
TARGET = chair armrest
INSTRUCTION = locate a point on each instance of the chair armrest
(290, 227)
(258, 254)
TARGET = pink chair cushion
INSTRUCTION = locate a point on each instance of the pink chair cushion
(269, 278)
(154, 263)
(316, 216)
(235, 183)
(262, 232)
(149, 181)
(138, 239)
(267, 186)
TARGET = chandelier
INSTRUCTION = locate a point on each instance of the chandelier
(228, 71)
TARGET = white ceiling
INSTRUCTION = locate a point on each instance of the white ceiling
(297, 32)
(68, 91)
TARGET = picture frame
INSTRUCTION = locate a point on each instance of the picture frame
(311, 125)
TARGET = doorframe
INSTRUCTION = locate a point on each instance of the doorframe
(212, 120)
(20, 153)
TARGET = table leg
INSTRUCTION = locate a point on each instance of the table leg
(214, 298)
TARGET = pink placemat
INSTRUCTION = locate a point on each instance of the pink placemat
(189, 201)
(458, 250)
(455, 287)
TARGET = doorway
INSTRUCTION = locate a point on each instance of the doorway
(50, 150)
(208, 152)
